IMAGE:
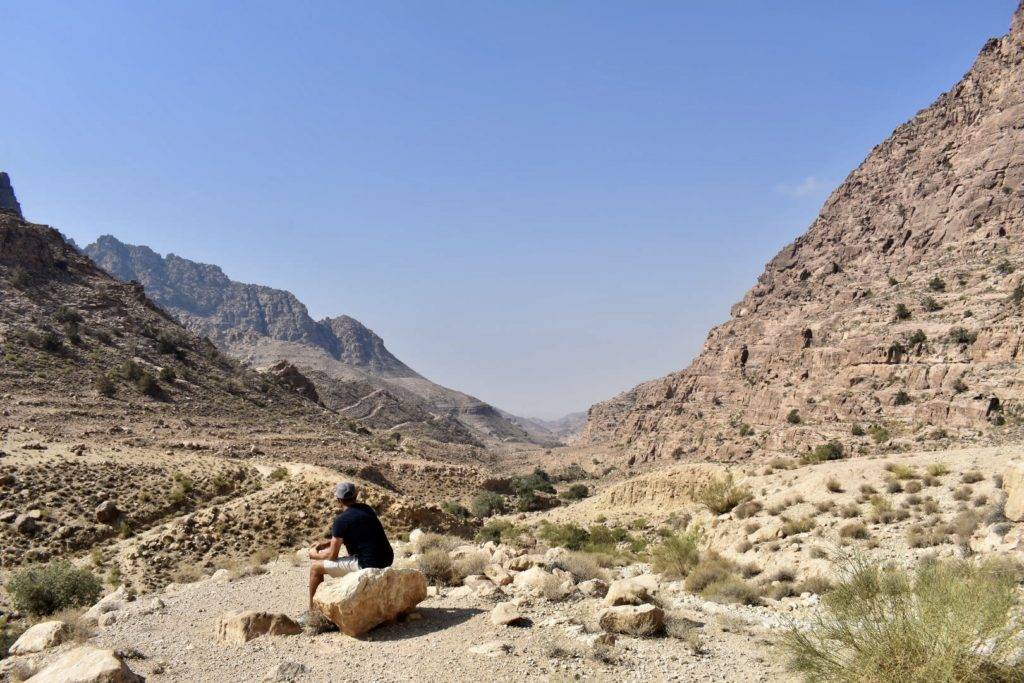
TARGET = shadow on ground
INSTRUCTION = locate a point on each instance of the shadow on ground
(433, 619)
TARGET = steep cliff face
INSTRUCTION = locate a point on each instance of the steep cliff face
(8, 201)
(353, 371)
(899, 309)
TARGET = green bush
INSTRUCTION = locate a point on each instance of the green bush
(576, 492)
(167, 375)
(917, 338)
(902, 398)
(793, 417)
(879, 434)
(722, 495)
(930, 304)
(499, 531)
(456, 509)
(538, 481)
(961, 335)
(833, 450)
(104, 386)
(52, 587)
(146, 384)
(950, 620)
(857, 430)
(486, 503)
(937, 284)
(570, 535)
(675, 556)
(902, 312)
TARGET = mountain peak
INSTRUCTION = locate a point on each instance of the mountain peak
(8, 200)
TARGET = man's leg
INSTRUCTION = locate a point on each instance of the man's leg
(316, 577)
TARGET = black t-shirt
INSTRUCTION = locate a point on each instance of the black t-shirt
(364, 536)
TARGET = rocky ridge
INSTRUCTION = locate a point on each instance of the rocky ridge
(895, 320)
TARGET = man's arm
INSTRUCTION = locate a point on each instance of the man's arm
(329, 552)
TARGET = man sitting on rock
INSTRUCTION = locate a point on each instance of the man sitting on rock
(358, 527)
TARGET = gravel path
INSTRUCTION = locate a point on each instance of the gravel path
(177, 642)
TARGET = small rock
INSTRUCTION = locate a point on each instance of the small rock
(107, 619)
(498, 574)
(595, 588)
(107, 512)
(285, 671)
(25, 524)
(238, 628)
(506, 614)
(494, 648)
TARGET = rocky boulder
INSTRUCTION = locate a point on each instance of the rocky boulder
(107, 512)
(39, 637)
(87, 664)
(633, 620)
(238, 628)
(1013, 485)
(367, 598)
(633, 591)
(293, 377)
(506, 614)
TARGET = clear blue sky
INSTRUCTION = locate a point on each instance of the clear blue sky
(539, 203)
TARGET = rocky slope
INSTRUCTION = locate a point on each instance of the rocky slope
(896, 318)
(354, 372)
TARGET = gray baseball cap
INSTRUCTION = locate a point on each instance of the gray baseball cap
(346, 490)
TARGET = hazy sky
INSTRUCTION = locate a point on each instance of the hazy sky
(540, 203)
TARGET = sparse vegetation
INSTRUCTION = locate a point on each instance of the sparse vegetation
(57, 585)
(963, 336)
(925, 626)
(721, 495)
(793, 417)
(832, 450)
(901, 312)
(678, 554)
(486, 503)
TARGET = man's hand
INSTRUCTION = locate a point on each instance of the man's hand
(323, 544)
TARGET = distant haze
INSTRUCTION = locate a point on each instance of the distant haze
(539, 204)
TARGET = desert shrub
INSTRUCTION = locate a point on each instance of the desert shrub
(793, 417)
(917, 338)
(857, 430)
(104, 386)
(902, 472)
(146, 384)
(499, 531)
(747, 509)
(945, 621)
(879, 434)
(853, 530)
(849, 510)
(677, 554)
(721, 495)
(711, 568)
(576, 492)
(937, 469)
(832, 450)
(539, 480)
(65, 315)
(1018, 294)
(963, 493)
(583, 566)
(930, 304)
(455, 509)
(167, 374)
(1005, 268)
(961, 335)
(470, 564)
(486, 503)
(792, 527)
(818, 585)
(972, 477)
(918, 537)
(901, 312)
(165, 343)
(278, 474)
(571, 536)
(912, 486)
(430, 541)
(834, 485)
(937, 284)
(55, 586)
(901, 398)
(436, 564)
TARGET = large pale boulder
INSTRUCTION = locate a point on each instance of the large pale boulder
(108, 603)
(634, 620)
(1013, 484)
(39, 637)
(506, 614)
(87, 664)
(498, 574)
(633, 591)
(238, 628)
(361, 600)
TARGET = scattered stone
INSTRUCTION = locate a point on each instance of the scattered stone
(498, 574)
(632, 591)
(107, 512)
(494, 648)
(286, 671)
(634, 620)
(239, 628)
(107, 619)
(39, 637)
(108, 603)
(369, 597)
(595, 588)
(25, 524)
(19, 668)
(87, 664)
(507, 614)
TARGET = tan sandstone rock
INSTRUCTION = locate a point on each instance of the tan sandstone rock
(634, 591)
(369, 597)
(506, 614)
(1013, 484)
(87, 664)
(238, 628)
(634, 620)
(40, 637)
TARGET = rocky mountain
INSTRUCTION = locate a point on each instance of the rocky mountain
(8, 202)
(352, 369)
(895, 319)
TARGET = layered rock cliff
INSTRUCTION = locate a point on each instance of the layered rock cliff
(895, 318)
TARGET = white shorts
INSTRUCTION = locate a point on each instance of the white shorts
(341, 566)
